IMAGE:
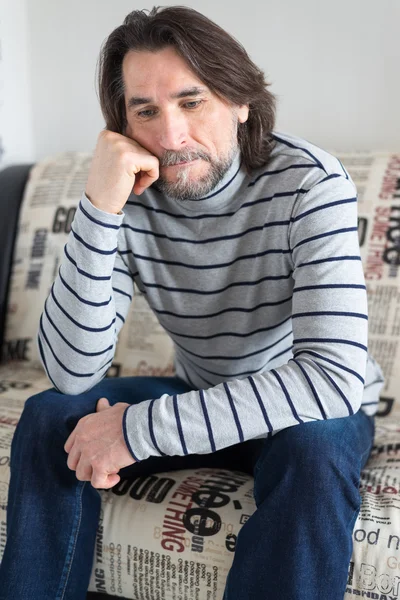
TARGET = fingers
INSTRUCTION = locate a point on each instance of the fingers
(145, 180)
(70, 441)
(84, 471)
(101, 480)
(73, 459)
(102, 404)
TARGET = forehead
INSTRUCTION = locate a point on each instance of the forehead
(145, 71)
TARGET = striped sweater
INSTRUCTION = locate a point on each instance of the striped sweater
(260, 286)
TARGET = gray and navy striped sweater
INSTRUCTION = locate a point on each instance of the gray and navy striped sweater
(260, 286)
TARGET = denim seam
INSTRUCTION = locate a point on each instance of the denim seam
(366, 453)
(73, 539)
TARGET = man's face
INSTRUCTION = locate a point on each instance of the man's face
(177, 118)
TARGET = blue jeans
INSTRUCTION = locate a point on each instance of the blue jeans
(296, 546)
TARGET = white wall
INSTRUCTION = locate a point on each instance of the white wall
(335, 66)
(16, 118)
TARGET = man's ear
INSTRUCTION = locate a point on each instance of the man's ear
(243, 113)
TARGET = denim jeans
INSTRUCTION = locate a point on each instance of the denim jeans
(296, 546)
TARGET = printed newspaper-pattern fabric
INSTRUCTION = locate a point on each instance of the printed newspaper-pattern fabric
(50, 202)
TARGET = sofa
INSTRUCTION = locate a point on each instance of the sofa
(140, 551)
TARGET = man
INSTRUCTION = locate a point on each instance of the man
(244, 243)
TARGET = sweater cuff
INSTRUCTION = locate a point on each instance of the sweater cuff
(139, 429)
(102, 215)
(127, 441)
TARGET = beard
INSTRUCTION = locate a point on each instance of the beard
(187, 188)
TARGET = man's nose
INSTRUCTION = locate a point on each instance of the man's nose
(173, 132)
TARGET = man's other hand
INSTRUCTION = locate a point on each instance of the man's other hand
(97, 448)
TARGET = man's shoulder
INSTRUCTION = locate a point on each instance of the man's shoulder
(303, 156)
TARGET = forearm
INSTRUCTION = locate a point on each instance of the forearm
(82, 315)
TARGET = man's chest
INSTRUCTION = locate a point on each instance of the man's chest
(208, 275)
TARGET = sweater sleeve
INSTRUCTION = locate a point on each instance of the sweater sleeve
(87, 303)
(325, 377)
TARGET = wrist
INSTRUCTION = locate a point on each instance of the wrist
(103, 209)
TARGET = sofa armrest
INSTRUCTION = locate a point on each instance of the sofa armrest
(12, 184)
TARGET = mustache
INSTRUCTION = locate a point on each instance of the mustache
(171, 157)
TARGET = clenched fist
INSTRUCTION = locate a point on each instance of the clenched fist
(119, 165)
(96, 447)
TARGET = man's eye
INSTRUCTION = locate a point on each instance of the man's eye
(145, 113)
(193, 103)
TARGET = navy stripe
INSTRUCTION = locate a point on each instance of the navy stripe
(207, 419)
(214, 266)
(126, 438)
(222, 238)
(234, 411)
(124, 272)
(85, 273)
(331, 286)
(218, 290)
(123, 293)
(241, 373)
(337, 388)
(179, 424)
(333, 362)
(277, 171)
(195, 387)
(69, 343)
(62, 364)
(290, 145)
(370, 404)
(330, 341)
(223, 375)
(373, 383)
(45, 364)
(324, 235)
(227, 333)
(335, 313)
(329, 259)
(107, 225)
(220, 312)
(310, 383)
(276, 196)
(84, 327)
(280, 353)
(260, 403)
(222, 357)
(221, 189)
(323, 207)
(289, 400)
(327, 178)
(88, 302)
(120, 317)
(151, 429)
(344, 170)
(93, 248)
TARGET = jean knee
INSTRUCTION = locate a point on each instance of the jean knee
(312, 449)
(49, 411)
(314, 457)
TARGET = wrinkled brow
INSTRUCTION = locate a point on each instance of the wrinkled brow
(187, 92)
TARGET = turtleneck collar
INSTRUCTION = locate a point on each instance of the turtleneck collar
(223, 193)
